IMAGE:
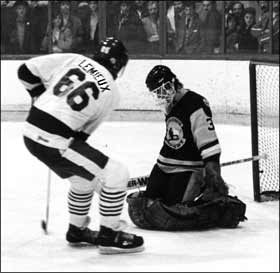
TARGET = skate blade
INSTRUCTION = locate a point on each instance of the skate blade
(108, 250)
(81, 245)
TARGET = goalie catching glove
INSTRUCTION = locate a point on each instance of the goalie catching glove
(215, 186)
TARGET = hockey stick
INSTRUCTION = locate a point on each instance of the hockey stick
(44, 223)
(141, 181)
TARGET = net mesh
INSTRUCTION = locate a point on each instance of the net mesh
(267, 83)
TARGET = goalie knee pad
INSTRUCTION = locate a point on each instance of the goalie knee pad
(115, 175)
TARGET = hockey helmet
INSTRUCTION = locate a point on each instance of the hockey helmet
(161, 82)
(112, 54)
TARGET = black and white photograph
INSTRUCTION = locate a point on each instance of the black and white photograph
(139, 136)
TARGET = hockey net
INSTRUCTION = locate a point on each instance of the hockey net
(264, 85)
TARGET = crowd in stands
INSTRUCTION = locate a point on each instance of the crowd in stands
(36, 27)
(245, 31)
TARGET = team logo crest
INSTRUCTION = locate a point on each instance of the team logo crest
(174, 133)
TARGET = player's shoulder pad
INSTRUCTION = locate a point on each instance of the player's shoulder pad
(194, 101)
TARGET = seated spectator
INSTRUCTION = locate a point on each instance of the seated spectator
(211, 27)
(261, 30)
(247, 42)
(129, 29)
(20, 39)
(151, 26)
(232, 34)
(61, 37)
(188, 31)
(88, 14)
(71, 31)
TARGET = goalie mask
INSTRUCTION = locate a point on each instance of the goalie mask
(112, 54)
(162, 84)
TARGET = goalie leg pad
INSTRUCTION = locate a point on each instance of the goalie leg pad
(153, 214)
(137, 208)
(233, 212)
(225, 212)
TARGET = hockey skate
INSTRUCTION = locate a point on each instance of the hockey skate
(81, 236)
(116, 242)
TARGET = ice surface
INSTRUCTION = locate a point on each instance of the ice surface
(253, 246)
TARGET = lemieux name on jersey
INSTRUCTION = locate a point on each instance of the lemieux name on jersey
(100, 79)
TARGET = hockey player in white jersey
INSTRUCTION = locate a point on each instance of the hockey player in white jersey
(72, 94)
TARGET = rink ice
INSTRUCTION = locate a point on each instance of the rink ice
(253, 246)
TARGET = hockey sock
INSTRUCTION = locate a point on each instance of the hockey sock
(110, 207)
(78, 207)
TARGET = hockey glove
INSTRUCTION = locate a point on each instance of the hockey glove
(215, 187)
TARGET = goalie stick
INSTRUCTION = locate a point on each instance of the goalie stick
(141, 181)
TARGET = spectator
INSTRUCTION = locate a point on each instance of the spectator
(61, 37)
(88, 13)
(38, 14)
(175, 13)
(140, 9)
(71, 29)
(124, 15)
(112, 12)
(228, 7)
(232, 34)
(188, 32)
(4, 22)
(238, 12)
(20, 39)
(247, 42)
(151, 26)
(211, 26)
(83, 11)
(129, 28)
(261, 29)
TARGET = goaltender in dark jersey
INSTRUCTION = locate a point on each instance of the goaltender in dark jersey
(190, 138)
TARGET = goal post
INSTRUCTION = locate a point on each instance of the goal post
(264, 100)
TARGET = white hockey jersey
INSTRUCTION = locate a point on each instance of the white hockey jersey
(79, 94)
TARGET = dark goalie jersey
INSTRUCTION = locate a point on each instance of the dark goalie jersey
(190, 138)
